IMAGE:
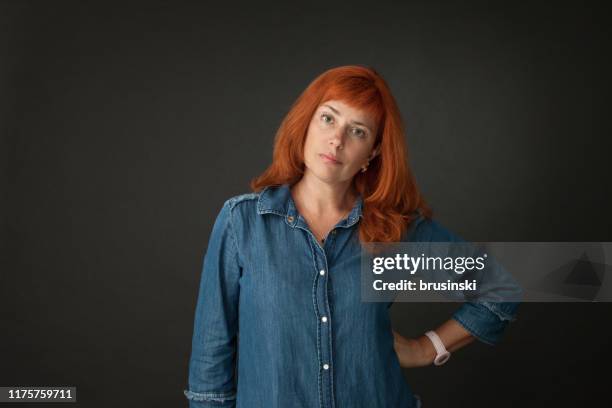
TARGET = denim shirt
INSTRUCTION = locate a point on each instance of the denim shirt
(279, 320)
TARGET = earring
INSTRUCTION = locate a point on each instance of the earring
(364, 168)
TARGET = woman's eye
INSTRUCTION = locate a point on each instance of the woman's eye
(326, 118)
(357, 132)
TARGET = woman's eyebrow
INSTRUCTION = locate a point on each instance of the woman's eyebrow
(339, 114)
(333, 109)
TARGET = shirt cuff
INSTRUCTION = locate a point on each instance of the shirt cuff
(486, 320)
(210, 399)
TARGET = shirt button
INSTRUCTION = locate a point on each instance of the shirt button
(326, 366)
(324, 319)
(333, 232)
(290, 218)
(322, 272)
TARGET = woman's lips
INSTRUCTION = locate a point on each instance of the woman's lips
(330, 159)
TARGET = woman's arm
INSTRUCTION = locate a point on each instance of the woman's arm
(212, 377)
(482, 319)
(420, 352)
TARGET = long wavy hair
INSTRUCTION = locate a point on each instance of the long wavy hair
(391, 198)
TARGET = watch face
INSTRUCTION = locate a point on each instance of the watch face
(442, 358)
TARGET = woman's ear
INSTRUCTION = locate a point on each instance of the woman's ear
(375, 152)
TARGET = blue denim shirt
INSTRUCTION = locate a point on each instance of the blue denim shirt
(279, 320)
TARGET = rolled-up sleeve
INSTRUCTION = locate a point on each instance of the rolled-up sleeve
(488, 315)
(212, 377)
(486, 320)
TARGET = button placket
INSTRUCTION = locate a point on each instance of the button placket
(324, 329)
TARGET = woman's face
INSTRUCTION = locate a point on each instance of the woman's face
(339, 142)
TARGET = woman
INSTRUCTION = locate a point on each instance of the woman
(279, 319)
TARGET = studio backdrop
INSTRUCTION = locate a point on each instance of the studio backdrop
(125, 127)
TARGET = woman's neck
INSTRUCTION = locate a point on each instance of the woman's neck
(319, 198)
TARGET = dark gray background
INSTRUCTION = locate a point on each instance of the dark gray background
(125, 127)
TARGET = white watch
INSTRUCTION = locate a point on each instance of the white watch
(442, 354)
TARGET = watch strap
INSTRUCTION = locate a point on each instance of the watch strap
(442, 354)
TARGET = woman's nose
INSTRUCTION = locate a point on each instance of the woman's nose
(337, 139)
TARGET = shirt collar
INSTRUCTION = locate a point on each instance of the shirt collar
(277, 200)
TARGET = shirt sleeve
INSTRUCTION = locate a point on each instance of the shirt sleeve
(486, 320)
(212, 377)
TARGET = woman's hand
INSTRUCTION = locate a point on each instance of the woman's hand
(413, 352)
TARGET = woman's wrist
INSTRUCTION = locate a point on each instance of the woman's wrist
(428, 351)
(417, 352)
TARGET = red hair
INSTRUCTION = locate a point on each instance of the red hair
(389, 191)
